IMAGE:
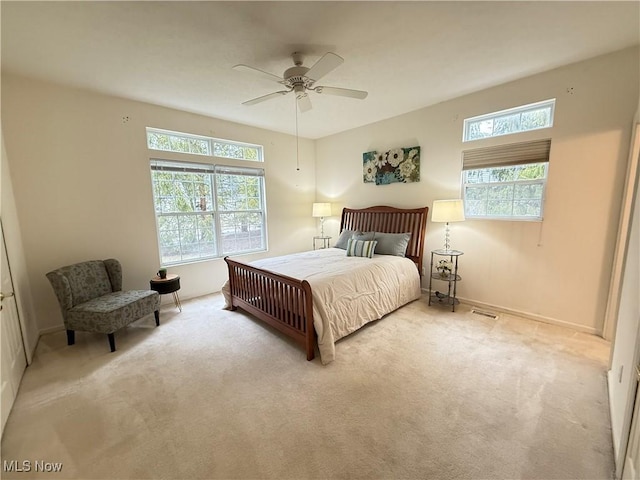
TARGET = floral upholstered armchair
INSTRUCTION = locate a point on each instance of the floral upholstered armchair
(91, 299)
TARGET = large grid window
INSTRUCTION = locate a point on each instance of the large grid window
(514, 120)
(206, 211)
(506, 182)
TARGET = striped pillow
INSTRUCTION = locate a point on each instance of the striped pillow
(361, 248)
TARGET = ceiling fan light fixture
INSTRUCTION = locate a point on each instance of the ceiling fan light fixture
(300, 80)
(299, 91)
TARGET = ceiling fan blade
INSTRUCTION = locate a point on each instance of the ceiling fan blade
(304, 103)
(328, 62)
(246, 68)
(342, 92)
(265, 97)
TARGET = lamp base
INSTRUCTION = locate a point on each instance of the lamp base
(447, 238)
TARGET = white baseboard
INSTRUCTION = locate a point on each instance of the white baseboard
(59, 328)
(614, 435)
(531, 316)
(55, 329)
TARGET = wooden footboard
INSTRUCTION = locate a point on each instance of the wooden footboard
(283, 302)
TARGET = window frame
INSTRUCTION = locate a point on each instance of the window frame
(211, 145)
(511, 155)
(522, 109)
(174, 161)
(487, 185)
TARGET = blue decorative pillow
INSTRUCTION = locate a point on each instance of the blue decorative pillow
(363, 235)
(392, 243)
(361, 248)
(344, 238)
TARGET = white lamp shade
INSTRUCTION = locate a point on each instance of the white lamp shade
(447, 211)
(321, 210)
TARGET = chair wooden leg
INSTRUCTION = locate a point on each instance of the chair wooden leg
(71, 337)
(157, 315)
(112, 341)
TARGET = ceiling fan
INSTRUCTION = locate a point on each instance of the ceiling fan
(301, 80)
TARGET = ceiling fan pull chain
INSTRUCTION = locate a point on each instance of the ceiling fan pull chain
(295, 107)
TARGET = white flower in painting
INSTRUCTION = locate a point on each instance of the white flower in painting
(412, 153)
(369, 171)
(395, 156)
(380, 160)
(406, 168)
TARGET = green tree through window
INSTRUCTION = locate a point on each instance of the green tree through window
(519, 119)
(199, 145)
(514, 191)
(206, 211)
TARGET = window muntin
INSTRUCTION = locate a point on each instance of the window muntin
(514, 120)
(206, 211)
(195, 144)
(512, 192)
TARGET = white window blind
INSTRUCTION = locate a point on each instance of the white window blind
(181, 167)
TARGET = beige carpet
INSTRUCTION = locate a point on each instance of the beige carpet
(422, 394)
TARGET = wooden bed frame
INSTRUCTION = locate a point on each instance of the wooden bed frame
(286, 303)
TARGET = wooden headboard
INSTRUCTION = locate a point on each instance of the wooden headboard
(391, 220)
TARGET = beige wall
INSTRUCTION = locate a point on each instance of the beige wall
(82, 185)
(556, 270)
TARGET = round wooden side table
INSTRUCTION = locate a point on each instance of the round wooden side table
(171, 284)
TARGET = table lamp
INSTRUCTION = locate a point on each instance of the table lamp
(447, 211)
(321, 210)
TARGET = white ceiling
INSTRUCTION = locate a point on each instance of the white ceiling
(407, 55)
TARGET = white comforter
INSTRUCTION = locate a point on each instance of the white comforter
(348, 292)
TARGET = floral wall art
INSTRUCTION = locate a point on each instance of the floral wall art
(397, 165)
